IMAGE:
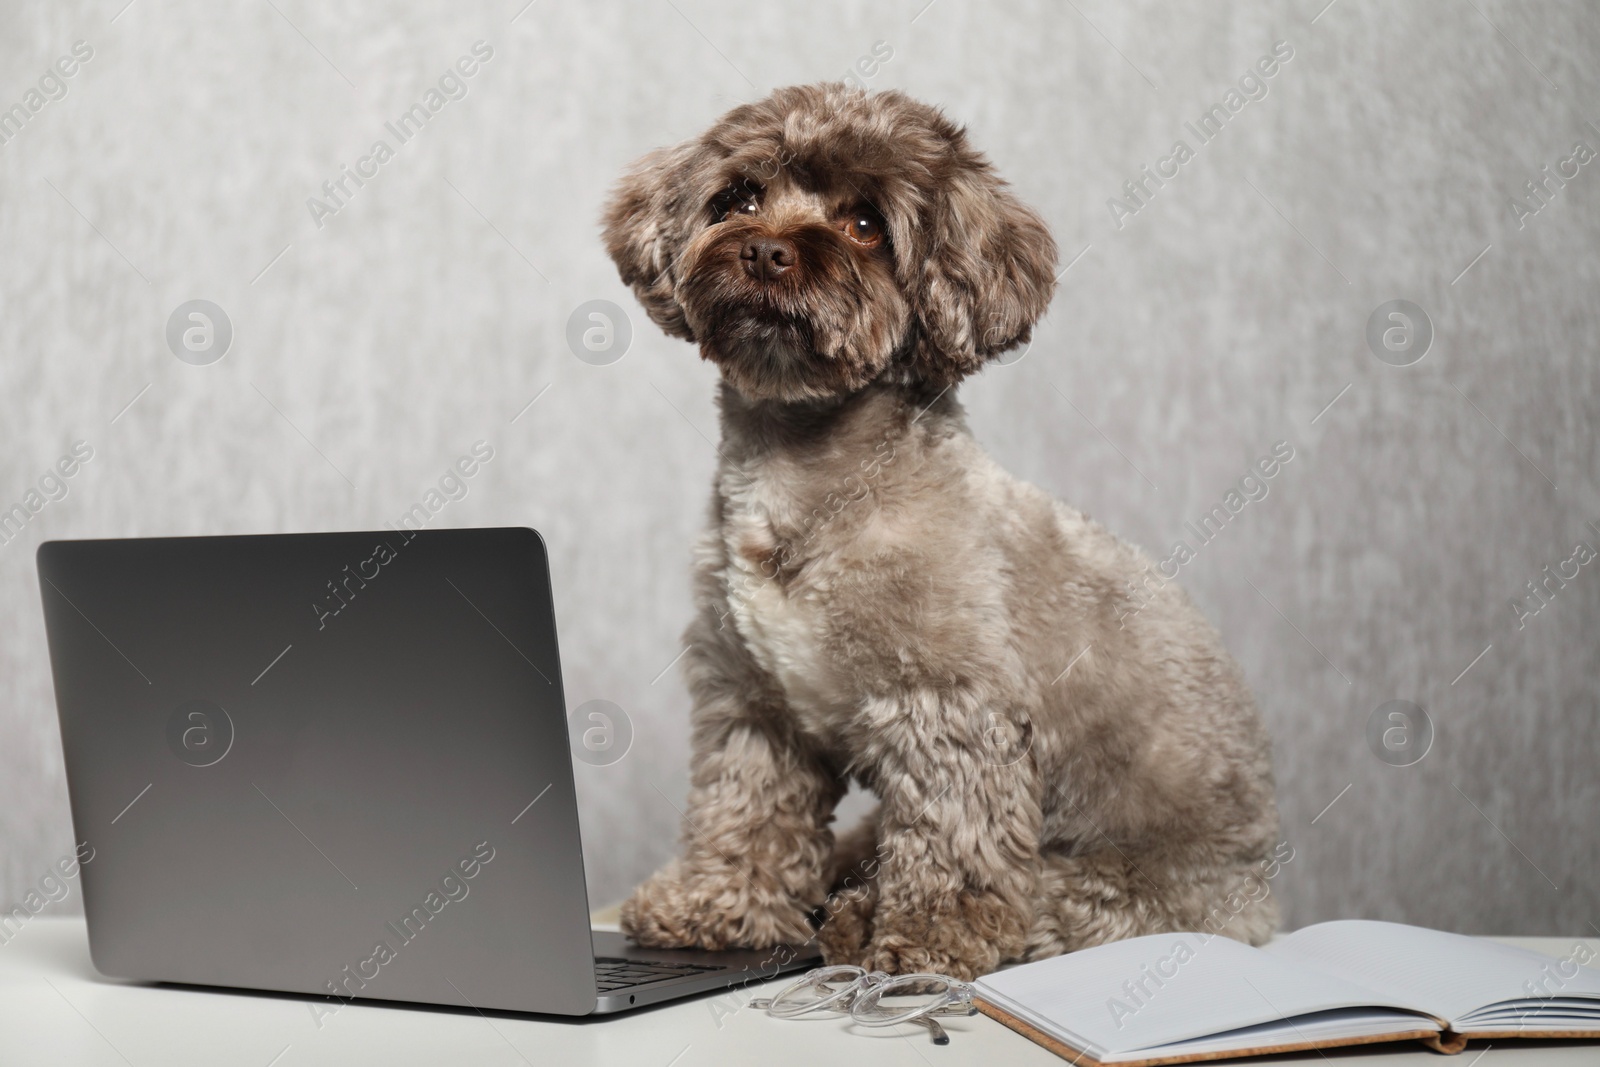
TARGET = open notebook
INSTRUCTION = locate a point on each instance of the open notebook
(1177, 998)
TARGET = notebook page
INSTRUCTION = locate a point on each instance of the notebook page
(1163, 988)
(1320, 1027)
(1448, 975)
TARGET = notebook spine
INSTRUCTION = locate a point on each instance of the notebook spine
(1447, 1041)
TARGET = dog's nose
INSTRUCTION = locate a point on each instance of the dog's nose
(765, 258)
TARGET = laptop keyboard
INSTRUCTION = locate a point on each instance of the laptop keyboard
(612, 974)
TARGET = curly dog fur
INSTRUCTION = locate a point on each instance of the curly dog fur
(879, 602)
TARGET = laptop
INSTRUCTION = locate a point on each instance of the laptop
(338, 764)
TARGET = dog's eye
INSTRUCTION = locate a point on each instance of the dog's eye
(864, 226)
(733, 201)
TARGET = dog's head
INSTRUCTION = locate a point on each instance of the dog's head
(825, 238)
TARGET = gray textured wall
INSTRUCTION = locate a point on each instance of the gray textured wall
(1225, 314)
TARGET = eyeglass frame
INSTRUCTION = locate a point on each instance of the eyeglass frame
(861, 998)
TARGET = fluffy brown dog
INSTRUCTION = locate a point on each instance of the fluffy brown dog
(879, 602)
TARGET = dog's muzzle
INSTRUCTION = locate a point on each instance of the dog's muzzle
(765, 258)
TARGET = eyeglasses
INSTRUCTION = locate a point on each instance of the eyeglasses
(853, 991)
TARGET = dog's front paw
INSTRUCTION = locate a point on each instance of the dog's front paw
(893, 954)
(683, 907)
(965, 939)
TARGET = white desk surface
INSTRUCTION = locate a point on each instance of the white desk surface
(55, 1010)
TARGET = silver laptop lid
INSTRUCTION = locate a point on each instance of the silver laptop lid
(323, 763)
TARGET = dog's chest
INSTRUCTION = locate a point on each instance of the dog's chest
(776, 578)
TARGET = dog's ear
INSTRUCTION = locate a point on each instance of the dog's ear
(648, 220)
(986, 275)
